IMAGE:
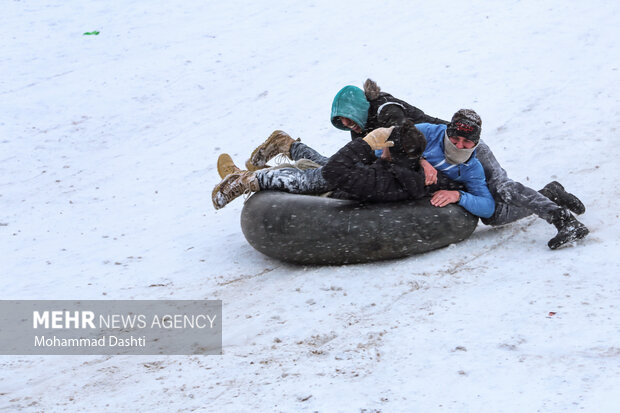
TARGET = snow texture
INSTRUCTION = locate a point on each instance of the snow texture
(108, 147)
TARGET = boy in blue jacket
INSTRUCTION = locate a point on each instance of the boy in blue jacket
(451, 150)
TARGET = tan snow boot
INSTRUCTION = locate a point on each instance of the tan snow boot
(233, 186)
(278, 142)
(226, 166)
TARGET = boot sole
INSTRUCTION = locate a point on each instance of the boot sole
(579, 233)
(251, 167)
(226, 166)
(253, 164)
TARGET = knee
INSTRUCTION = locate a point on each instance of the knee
(507, 189)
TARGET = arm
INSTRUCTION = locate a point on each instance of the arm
(349, 168)
(478, 204)
(430, 173)
(443, 197)
(394, 113)
(429, 119)
(391, 115)
(418, 116)
(477, 199)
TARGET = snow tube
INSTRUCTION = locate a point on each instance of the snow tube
(306, 229)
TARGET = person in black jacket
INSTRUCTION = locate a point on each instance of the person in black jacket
(356, 173)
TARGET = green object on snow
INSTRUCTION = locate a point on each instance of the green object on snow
(93, 33)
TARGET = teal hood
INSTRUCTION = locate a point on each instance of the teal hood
(350, 102)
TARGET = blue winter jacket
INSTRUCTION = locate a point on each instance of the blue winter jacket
(477, 199)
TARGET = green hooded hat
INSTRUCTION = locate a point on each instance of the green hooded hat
(350, 102)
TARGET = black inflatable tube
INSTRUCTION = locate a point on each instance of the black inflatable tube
(307, 229)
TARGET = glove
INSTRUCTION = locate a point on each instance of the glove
(378, 138)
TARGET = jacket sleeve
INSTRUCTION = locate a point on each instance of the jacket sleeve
(355, 170)
(349, 168)
(411, 180)
(398, 113)
(395, 113)
(478, 199)
(392, 114)
(429, 119)
(355, 135)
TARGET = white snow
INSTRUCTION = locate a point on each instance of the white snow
(108, 147)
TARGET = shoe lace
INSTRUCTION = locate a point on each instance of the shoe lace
(281, 158)
(232, 192)
(240, 190)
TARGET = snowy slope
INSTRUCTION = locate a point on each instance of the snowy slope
(108, 146)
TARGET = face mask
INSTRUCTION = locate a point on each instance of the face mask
(455, 155)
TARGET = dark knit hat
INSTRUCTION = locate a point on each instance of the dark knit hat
(467, 124)
(408, 141)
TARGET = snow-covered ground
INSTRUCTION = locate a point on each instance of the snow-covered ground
(108, 146)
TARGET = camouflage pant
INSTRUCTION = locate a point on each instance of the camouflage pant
(295, 180)
(513, 200)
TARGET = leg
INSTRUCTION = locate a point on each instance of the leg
(556, 192)
(280, 142)
(513, 199)
(293, 180)
(288, 179)
(302, 151)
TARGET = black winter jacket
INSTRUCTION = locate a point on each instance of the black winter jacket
(386, 110)
(356, 173)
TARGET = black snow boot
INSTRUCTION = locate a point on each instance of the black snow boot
(556, 192)
(569, 229)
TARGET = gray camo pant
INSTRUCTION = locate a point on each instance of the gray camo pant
(294, 180)
(513, 200)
